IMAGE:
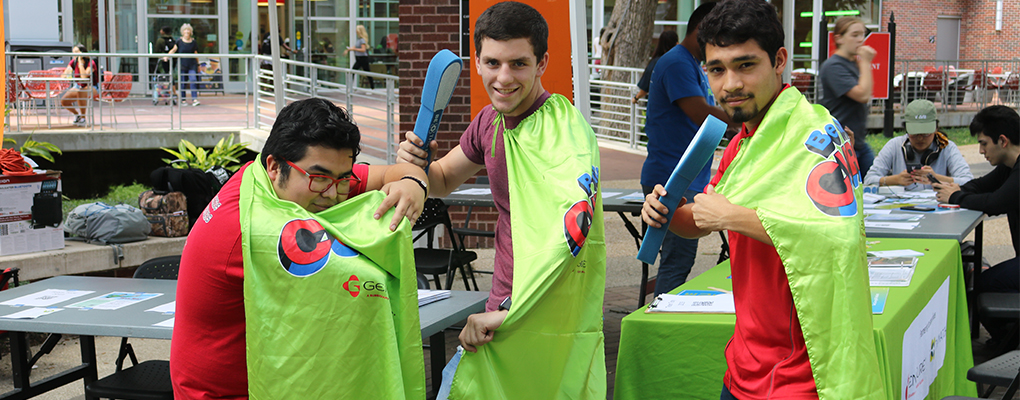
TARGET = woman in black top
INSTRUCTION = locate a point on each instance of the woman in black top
(189, 66)
(76, 97)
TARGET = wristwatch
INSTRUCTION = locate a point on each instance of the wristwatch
(505, 304)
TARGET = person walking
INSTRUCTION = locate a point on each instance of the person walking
(847, 84)
(360, 49)
(189, 66)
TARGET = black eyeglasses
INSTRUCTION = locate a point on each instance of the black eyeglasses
(321, 183)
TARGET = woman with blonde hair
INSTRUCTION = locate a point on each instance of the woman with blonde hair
(360, 49)
(189, 66)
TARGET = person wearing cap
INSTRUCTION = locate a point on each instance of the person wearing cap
(907, 160)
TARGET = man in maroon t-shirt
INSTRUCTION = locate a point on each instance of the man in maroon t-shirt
(312, 144)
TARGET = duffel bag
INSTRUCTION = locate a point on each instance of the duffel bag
(169, 225)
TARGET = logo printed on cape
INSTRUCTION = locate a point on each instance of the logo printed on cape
(831, 183)
(354, 286)
(578, 217)
(304, 247)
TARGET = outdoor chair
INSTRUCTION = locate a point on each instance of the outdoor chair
(1009, 92)
(1001, 306)
(464, 232)
(115, 90)
(148, 380)
(36, 89)
(982, 86)
(435, 261)
(934, 85)
(805, 84)
(1003, 371)
(15, 94)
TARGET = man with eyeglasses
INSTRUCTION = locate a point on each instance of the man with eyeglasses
(297, 267)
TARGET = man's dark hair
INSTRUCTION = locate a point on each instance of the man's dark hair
(997, 120)
(697, 16)
(737, 21)
(166, 30)
(512, 20)
(310, 122)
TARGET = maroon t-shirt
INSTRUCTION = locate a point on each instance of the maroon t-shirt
(207, 357)
(483, 145)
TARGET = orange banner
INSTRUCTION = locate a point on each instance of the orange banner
(3, 67)
(558, 77)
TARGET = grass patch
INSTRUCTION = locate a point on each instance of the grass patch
(961, 136)
(127, 194)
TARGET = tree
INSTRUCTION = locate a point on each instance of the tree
(626, 42)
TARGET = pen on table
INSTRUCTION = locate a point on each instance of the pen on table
(721, 290)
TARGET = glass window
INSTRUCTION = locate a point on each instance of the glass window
(188, 7)
(337, 8)
(378, 8)
(328, 41)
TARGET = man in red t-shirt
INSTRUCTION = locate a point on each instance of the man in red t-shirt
(312, 142)
(768, 356)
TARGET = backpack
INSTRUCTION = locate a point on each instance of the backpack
(102, 223)
(199, 187)
(167, 212)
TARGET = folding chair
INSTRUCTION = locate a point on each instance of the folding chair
(1003, 370)
(148, 380)
(116, 90)
(1001, 306)
(464, 232)
(434, 261)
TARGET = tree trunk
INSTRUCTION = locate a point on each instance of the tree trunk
(627, 42)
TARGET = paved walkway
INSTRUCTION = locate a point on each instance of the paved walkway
(620, 169)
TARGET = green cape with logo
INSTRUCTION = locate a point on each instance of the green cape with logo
(551, 345)
(798, 173)
(330, 299)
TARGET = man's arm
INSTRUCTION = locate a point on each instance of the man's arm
(714, 212)
(445, 174)
(406, 195)
(861, 93)
(697, 109)
(998, 201)
(883, 164)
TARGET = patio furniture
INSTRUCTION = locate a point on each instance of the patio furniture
(115, 90)
(934, 85)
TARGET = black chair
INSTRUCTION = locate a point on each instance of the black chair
(1003, 370)
(149, 380)
(434, 261)
(1001, 306)
(463, 232)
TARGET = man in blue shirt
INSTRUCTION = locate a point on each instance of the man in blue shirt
(679, 100)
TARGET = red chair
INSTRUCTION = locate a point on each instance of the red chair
(934, 82)
(804, 83)
(116, 90)
(15, 92)
(981, 85)
(1010, 90)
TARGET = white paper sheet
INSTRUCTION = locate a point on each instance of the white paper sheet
(891, 225)
(168, 323)
(474, 192)
(46, 298)
(114, 300)
(167, 308)
(636, 197)
(720, 303)
(32, 313)
(896, 253)
(606, 195)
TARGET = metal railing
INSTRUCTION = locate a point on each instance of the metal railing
(613, 116)
(234, 90)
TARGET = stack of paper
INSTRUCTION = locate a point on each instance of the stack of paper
(430, 296)
(891, 271)
(694, 301)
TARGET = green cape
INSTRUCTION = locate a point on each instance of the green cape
(815, 220)
(330, 299)
(551, 345)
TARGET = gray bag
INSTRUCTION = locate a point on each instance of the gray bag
(103, 224)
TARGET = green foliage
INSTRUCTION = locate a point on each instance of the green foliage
(127, 194)
(961, 136)
(223, 155)
(34, 148)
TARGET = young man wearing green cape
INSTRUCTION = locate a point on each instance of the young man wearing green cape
(298, 280)
(788, 192)
(542, 160)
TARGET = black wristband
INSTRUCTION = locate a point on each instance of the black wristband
(420, 183)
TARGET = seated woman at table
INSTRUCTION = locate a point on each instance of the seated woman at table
(76, 98)
(908, 160)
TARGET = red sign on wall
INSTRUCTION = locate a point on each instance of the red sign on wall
(879, 66)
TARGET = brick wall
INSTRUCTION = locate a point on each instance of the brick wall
(426, 27)
(916, 24)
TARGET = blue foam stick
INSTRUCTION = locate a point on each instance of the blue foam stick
(440, 80)
(694, 159)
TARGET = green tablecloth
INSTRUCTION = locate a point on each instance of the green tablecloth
(680, 356)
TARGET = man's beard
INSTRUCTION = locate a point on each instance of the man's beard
(740, 115)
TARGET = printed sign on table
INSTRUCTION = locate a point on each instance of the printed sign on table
(924, 346)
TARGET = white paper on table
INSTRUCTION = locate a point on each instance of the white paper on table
(636, 197)
(114, 300)
(877, 211)
(32, 313)
(168, 323)
(721, 304)
(896, 253)
(167, 308)
(46, 298)
(606, 195)
(474, 192)
(924, 345)
(891, 225)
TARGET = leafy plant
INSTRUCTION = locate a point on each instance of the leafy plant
(34, 148)
(225, 153)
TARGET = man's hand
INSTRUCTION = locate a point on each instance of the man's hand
(902, 179)
(944, 190)
(410, 150)
(866, 54)
(850, 132)
(653, 212)
(407, 197)
(479, 329)
(710, 215)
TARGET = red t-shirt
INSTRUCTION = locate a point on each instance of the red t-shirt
(207, 354)
(766, 357)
